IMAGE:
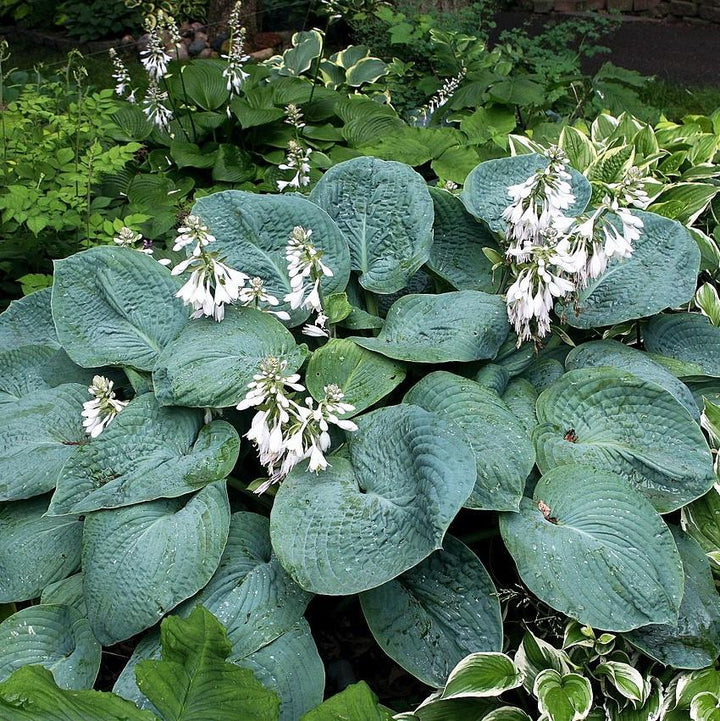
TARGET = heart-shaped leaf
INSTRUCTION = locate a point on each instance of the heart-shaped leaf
(535, 655)
(35, 550)
(566, 697)
(56, 637)
(252, 232)
(504, 455)
(592, 547)
(432, 616)
(661, 273)
(210, 364)
(482, 675)
(139, 562)
(694, 641)
(40, 432)
(463, 326)
(369, 517)
(115, 306)
(587, 417)
(363, 376)
(614, 354)
(147, 452)
(385, 211)
(687, 337)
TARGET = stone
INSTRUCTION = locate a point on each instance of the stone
(219, 40)
(196, 47)
(208, 53)
(543, 6)
(622, 6)
(179, 52)
(710, 13)
(682, 8)
(261, 55)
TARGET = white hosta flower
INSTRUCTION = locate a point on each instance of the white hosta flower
(236, 58)
(317, 329)
(194, 231)
(154, 107)
(619, 243)
(294, 116)
(255, 295)
(154, 58)
(270, 385)
(128, 238)
(442, 96)
(297, 159)
(630, 190)
(121, 76)
(104, 406)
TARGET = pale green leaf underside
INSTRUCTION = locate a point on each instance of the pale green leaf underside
(147, 452)
(366, 519)
(504, 455)
(252, 232)
(385, 211)
(694, 641)
(432, 616)
(661, 273)
(141, 561)
(210, 364)
(461, 326)
(603, 555)
(363, 376)
(53, 636)
(626, 425)
(40, 432)
(115, 306)
(35, 551)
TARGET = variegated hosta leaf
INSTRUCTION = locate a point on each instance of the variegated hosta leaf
(535, 655)
(210, 364)
(504, 455)
(687, 337)
(626, 679)
(701, 520)
(115, 306)
(486, 188)
(385, 211)
(464, 325)
(370, 516)
(56, 637)
(705, 707)
(480, 675)
(252, 231)
(141, 561)
(563, 697)
(617, 422)
(592, 547)
(38, 433)
(146, 452)
(661, 273)
(35, 550)
(694, 640)
(432, 616)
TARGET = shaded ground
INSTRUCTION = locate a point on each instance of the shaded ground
(680, 52)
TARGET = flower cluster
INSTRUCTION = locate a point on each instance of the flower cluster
(305, 269)
(104, 406)
(128, 238)
(554, 255)
(294, 116)
(255, 296)
(235, 57)
(284, 431)
(442, 96)
(121, 76)
(297, 159)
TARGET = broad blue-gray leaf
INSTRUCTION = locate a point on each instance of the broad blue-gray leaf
(28, 321)
(68, 592)
(385, 211)
(593, 548)
(369, 517)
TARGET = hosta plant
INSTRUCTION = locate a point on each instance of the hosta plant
(324, 387)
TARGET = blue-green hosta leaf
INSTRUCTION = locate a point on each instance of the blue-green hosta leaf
(363, 376)
(21, 370)
(355, 703)
(461, 326)
(68, 592)
(592, 547)
(139, 562)
(31, 694)
(194, 682)
(504, 455)
(369, 517)
(56, 637)
(210, 364)
(252, 232)
(543, 372)
(28, 321)
(621, 423)
(456, 254)
(35, 550)
(38, 433)
(520, 397)
(385, 211)
(661, 273)
(566, 697)
(432, 616)
(614, 354)
(493, 377)
(686, 337)
(114, 306)
(694, 641)
(147, 452)
(485, 193)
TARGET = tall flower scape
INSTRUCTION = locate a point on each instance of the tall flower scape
(553, 254)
